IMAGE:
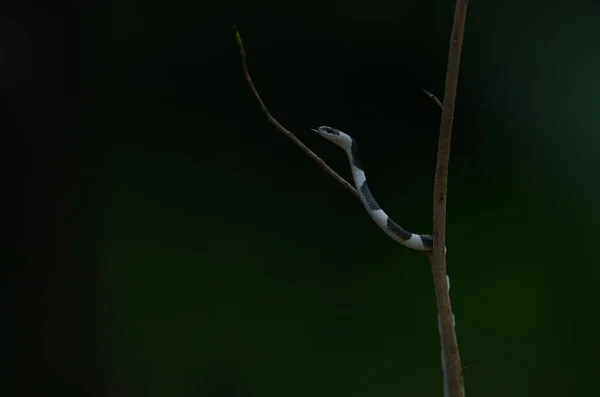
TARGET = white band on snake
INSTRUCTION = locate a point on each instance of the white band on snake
(419, 242)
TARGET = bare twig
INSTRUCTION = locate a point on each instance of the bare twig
(281, 128)
(433, 98)
(437, 257)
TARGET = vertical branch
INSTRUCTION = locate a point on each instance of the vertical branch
(453, 368)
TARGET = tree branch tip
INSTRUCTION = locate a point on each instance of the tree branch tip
(433, 98)
(238, 38)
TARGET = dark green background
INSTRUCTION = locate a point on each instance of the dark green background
(179, 245)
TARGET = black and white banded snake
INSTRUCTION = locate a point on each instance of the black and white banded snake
(419, 242)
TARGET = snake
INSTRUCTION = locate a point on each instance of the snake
(419, 242)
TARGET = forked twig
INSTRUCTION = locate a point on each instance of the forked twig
(281, 128)
(453, 369)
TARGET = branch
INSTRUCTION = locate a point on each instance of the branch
(281, 128)
(433, 98)
(453, 368)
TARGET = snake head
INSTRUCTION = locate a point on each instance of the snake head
(326, 132)
(336, 136)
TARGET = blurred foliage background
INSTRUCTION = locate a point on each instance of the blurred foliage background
(176, 244)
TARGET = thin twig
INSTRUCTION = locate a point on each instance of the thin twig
(438, 257)
(281, 128)
(433, 98)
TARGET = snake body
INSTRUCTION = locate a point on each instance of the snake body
(419, 242)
